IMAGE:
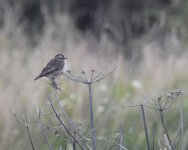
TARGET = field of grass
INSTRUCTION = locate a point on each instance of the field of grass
(158, 68)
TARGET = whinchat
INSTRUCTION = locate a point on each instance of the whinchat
(55, 67)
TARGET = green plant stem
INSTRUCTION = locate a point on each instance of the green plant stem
(145, 126)
(91, 117)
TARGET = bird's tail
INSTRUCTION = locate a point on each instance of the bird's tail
(37, 77)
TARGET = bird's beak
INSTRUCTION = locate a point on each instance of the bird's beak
(65, 58)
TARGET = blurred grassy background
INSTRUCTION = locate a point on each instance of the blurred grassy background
(148, 41)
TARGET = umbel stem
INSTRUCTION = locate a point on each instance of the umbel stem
(145, 126)
(89, 80)
(92, 119)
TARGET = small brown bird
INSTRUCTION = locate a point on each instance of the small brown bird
(54, 68)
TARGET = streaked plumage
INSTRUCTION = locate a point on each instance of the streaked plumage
(54, 68)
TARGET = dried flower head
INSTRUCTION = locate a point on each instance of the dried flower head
(84, 78)
(165, 101)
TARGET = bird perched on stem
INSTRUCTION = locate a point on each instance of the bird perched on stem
(55, 67)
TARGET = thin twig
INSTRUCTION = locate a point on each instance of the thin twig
(74, 144)
(92, 73)
(97, 76)
(62, 109)
(179, 132)
(43, 130)
(29, 133)
(164, 128)
(84, 137)
(153, 138)
(145, 126)
(181, 124)
(117, 145)
(121, 139)
(17, 118)
(65, 114)
(92, 118)
(75, 78)
(64, 124)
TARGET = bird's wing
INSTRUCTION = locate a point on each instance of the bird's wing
(50, 67)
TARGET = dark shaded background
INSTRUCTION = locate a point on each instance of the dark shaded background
(121, 20)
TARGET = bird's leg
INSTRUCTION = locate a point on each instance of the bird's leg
(54, 84)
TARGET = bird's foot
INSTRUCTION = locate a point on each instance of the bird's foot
(54, 85)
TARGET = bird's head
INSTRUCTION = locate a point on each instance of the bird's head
(60, 56)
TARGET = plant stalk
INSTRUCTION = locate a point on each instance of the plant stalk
(145, 126)
(43, 132)
(29, 133)
(164, 128)
(91, 117)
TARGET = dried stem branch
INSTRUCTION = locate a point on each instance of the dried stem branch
(181, 124)
(164, 128)
(92, 118)
(29, 133)
(43, 130)
(145, 126)
(25, 124)
(62, 109)
(117, 145)
(67, 130)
